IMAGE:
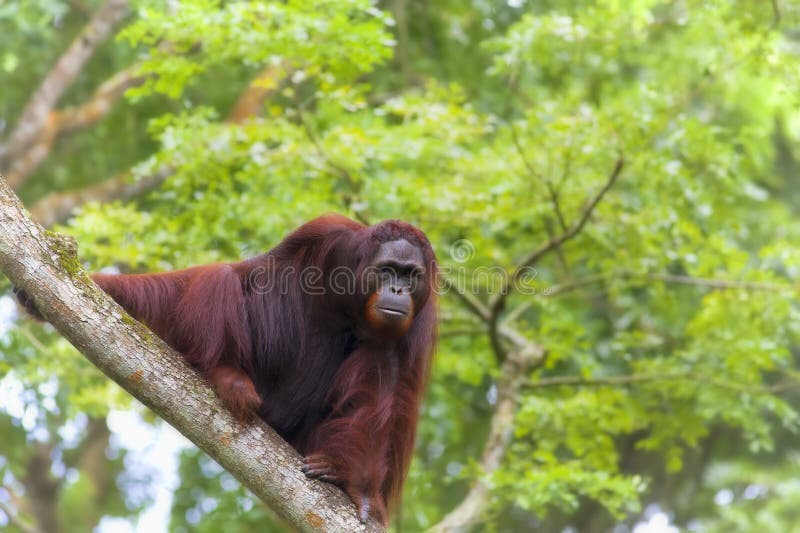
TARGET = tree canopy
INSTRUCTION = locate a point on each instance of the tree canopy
(611, 189)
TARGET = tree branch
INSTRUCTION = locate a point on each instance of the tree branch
(497, 304)
(630, 379)
(517, 340)
(58, 122)
(576, 228)
(516, 364)
(101, 101)
(513, 377)
(45, 267)
(58, 206)
(711, 283)
(672, 279)
(476, 306)
(553, 192)
(470, 300)
(62, 75)
(517, 357)
(633, 379)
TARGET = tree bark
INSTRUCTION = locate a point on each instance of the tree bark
(47, 268)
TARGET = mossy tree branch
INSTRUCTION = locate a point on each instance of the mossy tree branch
(46, 267)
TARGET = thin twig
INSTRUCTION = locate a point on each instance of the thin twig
(34, 340)
(711, 283)
(579, 283)
(552, 191)
(576, 228)
(497, 304)
(580, 381)
(472, 302)
(460, 332)
(554, 242)
(517, 340)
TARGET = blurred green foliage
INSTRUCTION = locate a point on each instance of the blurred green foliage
(494, 122)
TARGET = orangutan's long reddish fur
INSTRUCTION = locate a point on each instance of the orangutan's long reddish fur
(296, 358)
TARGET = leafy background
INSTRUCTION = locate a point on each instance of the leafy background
(668, 389)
